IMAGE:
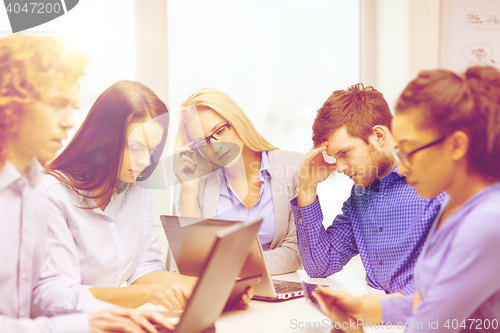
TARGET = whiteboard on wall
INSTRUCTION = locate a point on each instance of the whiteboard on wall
(470, 34)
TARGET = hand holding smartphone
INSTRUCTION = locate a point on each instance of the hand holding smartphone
(340, 321)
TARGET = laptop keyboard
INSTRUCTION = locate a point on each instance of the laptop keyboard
(285, 286)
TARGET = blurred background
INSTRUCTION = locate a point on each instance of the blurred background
(278, 59)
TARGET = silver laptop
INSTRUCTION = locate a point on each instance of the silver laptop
(227, 252)
(190, 241)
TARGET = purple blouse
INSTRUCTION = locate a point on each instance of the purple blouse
(458, 272)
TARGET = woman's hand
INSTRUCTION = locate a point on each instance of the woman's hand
(128, 321)
(185, 169)
(245, 299)
(416, 300)
(313, 170)
(171, 296)
(341, 320)
(369, 296)
(331, 301)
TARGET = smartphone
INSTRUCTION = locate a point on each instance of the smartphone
(339, 319)
(308, 289)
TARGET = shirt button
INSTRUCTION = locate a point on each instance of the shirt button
(23, 276)
(300, 220)
(305, 244)
(23, 236)
(21, 313)
(112, 225)
(121, 250)
(380, 229)
(383, 195)
(119, 277)
(381, 262)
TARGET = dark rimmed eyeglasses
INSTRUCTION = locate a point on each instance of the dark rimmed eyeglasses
(404, 158)
(205, 142)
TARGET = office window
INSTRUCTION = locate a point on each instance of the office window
(105, 30)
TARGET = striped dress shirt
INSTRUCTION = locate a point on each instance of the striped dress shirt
(99, 248)
(29, 287)
(386, 223)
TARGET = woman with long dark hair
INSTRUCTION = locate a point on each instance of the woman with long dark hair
(101, 228)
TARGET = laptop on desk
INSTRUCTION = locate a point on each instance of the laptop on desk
(224, 262)
(189, 240)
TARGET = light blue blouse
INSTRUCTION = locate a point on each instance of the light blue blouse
(231, 207)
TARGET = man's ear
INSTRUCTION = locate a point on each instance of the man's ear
(380, 134)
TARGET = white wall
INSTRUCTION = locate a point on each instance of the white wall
(401, 38)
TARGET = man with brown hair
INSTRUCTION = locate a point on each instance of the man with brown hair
(38, 92)
(384, 220)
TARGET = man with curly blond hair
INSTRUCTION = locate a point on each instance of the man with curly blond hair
(38, 92)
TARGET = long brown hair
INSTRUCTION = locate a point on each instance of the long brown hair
(92, 160)
(470, 103)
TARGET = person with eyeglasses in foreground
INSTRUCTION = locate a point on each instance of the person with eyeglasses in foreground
(228, 171)
(447, 133)
(384, 220)
(38, 92)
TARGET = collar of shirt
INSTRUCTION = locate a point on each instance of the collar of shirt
(461, 212)
(119, 188)
(385, 183)
(265, 170)
(390, 178)
(10, 176)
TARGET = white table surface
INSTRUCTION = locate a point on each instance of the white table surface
(294, 315)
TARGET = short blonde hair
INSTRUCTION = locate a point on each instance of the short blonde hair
(28, 65)
(227, 108)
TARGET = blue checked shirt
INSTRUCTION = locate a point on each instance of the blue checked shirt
(386, 223)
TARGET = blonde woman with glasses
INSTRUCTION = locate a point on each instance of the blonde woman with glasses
(228, 171)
